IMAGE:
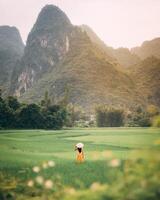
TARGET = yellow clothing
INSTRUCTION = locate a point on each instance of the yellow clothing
(80, 157)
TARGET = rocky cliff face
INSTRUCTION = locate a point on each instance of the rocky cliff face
(11, 50)
(47, 44)
(87, 73)
(59, 55)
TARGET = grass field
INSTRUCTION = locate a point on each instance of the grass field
(20, 150)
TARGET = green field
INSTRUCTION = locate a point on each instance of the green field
(20, 150)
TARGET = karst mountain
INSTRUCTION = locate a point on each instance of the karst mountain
(60, 56)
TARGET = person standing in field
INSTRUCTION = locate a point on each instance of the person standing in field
(80, 153)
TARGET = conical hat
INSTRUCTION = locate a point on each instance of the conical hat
(79, 145)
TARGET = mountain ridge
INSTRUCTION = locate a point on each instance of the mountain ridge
(120, 55)
(148, 48)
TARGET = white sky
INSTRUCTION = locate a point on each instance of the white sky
(119, 23)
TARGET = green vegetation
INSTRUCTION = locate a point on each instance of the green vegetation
(111, 162)
(139, 118)
(50, 115)
(62, 55)
(146, 77)
(32, 116)
(109, 117)
(58, 53)
(156, 121)
(80, 72)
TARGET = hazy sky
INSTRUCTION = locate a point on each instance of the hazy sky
(124, 23)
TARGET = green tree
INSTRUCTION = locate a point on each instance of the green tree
(46, 102)
(16, 115)
(0, 92)
(13, 103)
(75, 113)
(6, 115)
(152, 110)
(55, 117)
(65, 99)
(156, 121)
(139, 118)
(30, 116)
(101, 116)
(109, 117)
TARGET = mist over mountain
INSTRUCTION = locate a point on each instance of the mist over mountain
(148, 48)
(122, 56)
(91, 79)
(95, 39)
(146, 76)
(11, 50)
(60, 56)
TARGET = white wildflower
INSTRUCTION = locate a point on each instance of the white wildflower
(39, 180)
(48, 184)
(70, 191)
(36, 169)
(51, 163)
(45, 165)
(30, 183)
(115, 163)
(95, 186)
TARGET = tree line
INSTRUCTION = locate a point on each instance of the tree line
(137, 117)
(50, 115)
(44, 115)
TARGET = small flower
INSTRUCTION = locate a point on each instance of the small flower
(39, 180)
(30, 183)
(45, 165)
(115, 163)
(51, 163)
(36, 169)
(48, 184)
(70, 191)
(95, 186)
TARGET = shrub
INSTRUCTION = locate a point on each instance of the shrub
(13, 114)
(109, 117)
(156, 121)
(138, 118)
(152, 110)
(30, 116)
